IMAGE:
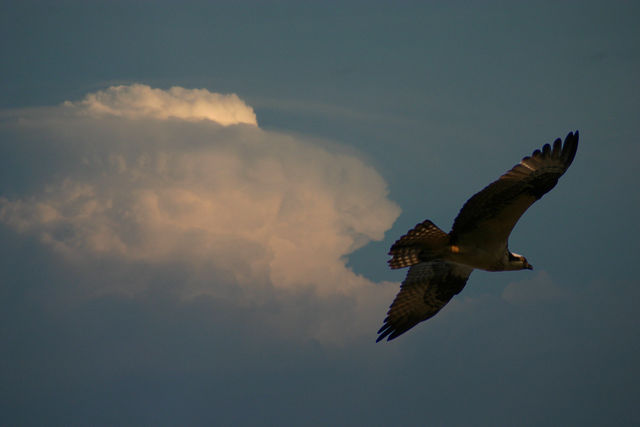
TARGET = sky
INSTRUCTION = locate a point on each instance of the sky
(197, 200)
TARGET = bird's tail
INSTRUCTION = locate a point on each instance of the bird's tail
(424, 242)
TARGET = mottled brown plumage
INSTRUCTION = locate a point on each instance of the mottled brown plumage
(428, 287)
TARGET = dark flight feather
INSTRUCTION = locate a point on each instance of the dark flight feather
(428, 287)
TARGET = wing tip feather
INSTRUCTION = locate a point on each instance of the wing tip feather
(390, 332)
(570, 147)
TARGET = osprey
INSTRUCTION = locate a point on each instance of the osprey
(440, 263)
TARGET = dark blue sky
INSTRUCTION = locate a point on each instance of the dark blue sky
(156, 269)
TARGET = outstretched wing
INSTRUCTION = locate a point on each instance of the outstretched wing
(490, 215)
(428, 287)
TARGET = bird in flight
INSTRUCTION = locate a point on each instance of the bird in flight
(440, 263)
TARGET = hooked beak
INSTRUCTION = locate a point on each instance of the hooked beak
(528, 266)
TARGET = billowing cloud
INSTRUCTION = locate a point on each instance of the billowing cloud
(141, 101)
(264, 211)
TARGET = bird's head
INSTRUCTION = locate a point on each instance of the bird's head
(518, 262)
